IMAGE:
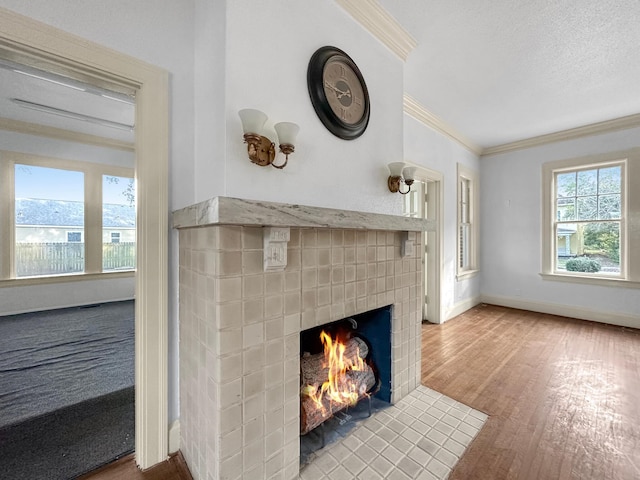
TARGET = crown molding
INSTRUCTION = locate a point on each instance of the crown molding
(622, 123)
(61, 134)
(417, 111)
(372, 16)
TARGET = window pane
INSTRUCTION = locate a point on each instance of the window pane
(587, 208)
(610, 180)
(566, 184)
(609, 207)
(49, 220)
(587, 182)
(118, 223)
(589, 248)
(566, 209)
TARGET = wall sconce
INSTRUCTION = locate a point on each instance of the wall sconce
(262, 151)
(400, 173)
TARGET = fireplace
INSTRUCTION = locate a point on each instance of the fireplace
(240, 326)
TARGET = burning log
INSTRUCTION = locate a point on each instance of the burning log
(314, 369)
(333, 380)
(313, 414)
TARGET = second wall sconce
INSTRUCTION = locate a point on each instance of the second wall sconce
(400, 173)
(261, 150)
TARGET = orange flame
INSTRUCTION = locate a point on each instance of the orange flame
(339, 389)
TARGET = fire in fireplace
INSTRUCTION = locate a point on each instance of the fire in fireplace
(343, 363)
(336, 378)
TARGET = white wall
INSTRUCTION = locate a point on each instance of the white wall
(60, 295)
(269, 45)
(426, 147)
(511, 235)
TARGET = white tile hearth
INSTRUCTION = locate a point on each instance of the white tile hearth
(421, 437)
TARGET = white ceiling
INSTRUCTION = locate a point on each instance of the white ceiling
(106, 116)
(499, 71)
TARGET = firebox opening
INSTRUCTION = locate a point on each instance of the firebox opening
(369, 336)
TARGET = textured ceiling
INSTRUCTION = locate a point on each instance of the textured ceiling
(499, 71)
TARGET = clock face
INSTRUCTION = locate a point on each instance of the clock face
(338, 93)
(344, 91)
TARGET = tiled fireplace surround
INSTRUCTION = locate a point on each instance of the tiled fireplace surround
(240, 326)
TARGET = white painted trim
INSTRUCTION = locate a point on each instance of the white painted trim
(434, 290)
(381, 24)
(622, 123)
(462, 307)
(174, 436)
(39, 42)
(608, 317)
(61, 134)
(464, 172)
(420, 113)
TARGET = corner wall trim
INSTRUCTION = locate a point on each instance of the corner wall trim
(372, 16)
(572, 311)
(174, 436)
(622, 123)
(420, 113)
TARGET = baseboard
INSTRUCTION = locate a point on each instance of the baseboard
(174, 436)
(63, 306)
(612, 318)
(461, 307)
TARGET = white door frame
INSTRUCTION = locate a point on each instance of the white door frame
(434, 239)
(42, 43)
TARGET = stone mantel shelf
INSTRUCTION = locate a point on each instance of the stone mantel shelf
(236, 211)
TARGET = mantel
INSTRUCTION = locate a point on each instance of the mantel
(235, 211)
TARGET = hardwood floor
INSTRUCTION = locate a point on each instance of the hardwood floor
(175, 468)
(563, 395)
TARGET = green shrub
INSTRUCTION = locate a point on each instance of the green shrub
(583, 264)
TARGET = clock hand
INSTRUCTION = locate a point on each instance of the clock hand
(340, 93)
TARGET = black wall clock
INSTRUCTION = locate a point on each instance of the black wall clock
(338, 93)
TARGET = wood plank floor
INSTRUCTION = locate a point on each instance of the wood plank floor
(563, 395)
(175, 468)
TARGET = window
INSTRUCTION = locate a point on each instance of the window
(52, 214)
(587, 208)
(48, 201)
(467, 222)
(118, 212)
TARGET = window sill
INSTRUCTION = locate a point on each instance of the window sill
(466, 274)
(600, 281)
(81, 277)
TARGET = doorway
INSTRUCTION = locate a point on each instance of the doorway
(425, 201)
(36, 44)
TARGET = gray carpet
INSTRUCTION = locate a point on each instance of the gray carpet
(66, 390)
(69, 442)
(54, 359)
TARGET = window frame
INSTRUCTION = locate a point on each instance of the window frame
(470, 177)
(630, 205)
(93, 173)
